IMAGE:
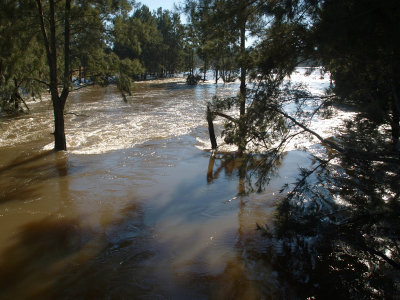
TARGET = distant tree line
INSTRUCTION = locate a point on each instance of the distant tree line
(154, 40)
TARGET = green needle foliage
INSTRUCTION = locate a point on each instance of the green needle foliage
(336, 233)
(338, 226)
(22, 61)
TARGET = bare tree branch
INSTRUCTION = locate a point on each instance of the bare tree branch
(225, 116)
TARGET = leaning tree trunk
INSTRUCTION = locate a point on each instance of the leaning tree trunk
(211, 129)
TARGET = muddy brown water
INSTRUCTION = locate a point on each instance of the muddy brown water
(130, 211)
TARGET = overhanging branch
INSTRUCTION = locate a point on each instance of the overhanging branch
(324, 141)
(225, 116)
(387, 157)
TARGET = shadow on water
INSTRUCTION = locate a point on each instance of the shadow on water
(40, 248)
(318, 247)
(56, 258)
(336, 236)
(22, 178)
(180, 246)
(19, 161)
(59, 258)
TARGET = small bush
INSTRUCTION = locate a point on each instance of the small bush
(193, 79)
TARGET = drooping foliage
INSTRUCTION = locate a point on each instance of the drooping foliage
(356, 41)
(338, 226)
(336, 233)
(22, 61)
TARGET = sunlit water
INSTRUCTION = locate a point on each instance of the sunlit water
(131, 211)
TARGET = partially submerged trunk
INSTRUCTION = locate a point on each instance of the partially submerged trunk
(59, 129)
(80, 75)
(211, 129)
(205, 70)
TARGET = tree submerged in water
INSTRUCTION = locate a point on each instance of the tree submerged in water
(338, 227)
(337, 230)
(45, 43)
(56, 46)
(193, 79)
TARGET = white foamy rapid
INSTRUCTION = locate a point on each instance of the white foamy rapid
(98, 120)
(317, 82)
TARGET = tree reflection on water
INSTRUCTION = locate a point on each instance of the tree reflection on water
(336, 232)
(254, 171)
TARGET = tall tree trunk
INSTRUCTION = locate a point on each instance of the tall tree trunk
(205, 69)
(222, 70)
(51, 51)
(15, 97)
(242, 93)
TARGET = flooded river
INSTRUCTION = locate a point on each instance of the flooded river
(136, 208)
